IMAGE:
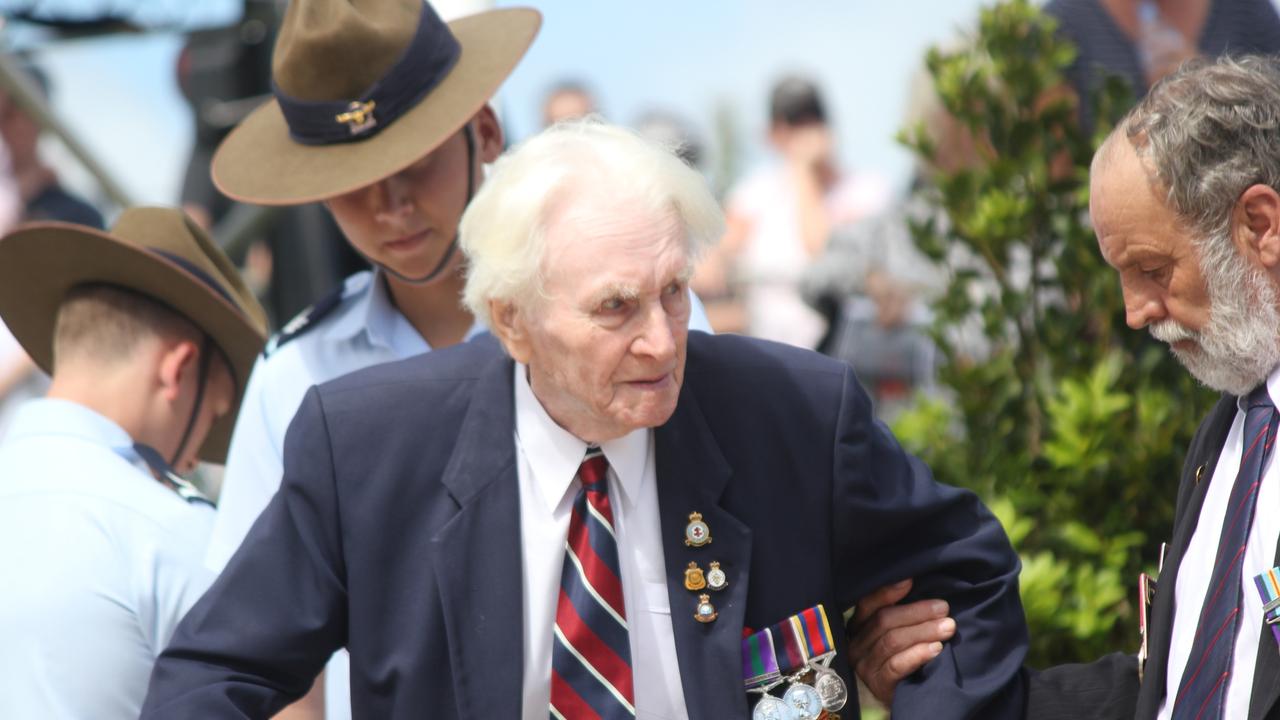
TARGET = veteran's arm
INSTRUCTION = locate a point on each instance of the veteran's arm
(264, 630)
(894, 521)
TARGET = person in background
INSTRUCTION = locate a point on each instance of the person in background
(567, 100)
(395, 153)
(779, 219)
(38, 196)
(1143, 40)
(1185, 200)
(149, 334)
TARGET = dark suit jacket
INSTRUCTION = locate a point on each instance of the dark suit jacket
(1109, 688)
(396, 533)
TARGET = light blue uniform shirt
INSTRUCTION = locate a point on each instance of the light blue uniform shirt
(98, 563)
(364, 329)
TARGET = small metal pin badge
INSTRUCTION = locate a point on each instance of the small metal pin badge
(693, 577)
(706, 612)
(716, 579)
(1199, 473)
(696, 533)
(359, 116)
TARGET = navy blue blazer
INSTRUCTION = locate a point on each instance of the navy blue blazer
(396, 533)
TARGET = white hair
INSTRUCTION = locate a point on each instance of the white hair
(503, 233)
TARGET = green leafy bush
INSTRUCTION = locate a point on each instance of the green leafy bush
(1073, 426)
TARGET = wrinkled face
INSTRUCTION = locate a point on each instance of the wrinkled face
(1142, 239)
(605, 345)
(219, 394)
(406, 222)
(1219, 320)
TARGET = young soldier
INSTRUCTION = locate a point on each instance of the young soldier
(149, 334)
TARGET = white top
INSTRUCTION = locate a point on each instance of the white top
(548, 462)
(100, 562)
(1197, 566)
(774, 258)
(364, 330)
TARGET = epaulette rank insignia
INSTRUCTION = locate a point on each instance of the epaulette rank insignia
(304, 321)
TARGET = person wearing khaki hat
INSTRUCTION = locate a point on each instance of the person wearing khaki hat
(149, 335)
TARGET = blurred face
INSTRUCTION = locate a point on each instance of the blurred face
(605, 345)
(219, 394)
(566, 105)
(407, 221)
(1220, 321)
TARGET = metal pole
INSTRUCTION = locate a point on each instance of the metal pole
(15, 84)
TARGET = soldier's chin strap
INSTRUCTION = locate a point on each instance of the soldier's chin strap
(202, 379)
(469, 134)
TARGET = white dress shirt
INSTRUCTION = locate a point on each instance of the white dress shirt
(99, 563)
(548, 461)
(1197, 566)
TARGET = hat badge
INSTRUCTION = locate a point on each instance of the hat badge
(359, 116)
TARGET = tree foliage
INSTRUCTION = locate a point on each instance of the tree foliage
(1071, 426)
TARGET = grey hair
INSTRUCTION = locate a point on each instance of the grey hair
(503, 232)
(1208, 132)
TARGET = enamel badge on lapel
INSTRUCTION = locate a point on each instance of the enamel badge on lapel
(696, 533)
(693, 578)
(716, 579)
(706, 612)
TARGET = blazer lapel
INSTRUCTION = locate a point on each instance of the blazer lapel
(477, 553)
(692, 474)
(1202, 458)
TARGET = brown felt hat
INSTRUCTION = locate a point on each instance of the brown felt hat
(363, 89)
(158, 252)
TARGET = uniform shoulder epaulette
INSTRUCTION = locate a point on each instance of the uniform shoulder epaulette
(166, 476)
(304, 321)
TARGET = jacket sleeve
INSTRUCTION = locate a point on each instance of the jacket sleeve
(1105, 689)
(263, 631)
(894, 521)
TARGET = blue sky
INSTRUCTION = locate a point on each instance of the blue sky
(687, 57)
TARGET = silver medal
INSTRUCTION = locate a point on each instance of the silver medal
(772, 708)
(804, 702)
(831, 689)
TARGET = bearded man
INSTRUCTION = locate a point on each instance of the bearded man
(1185, 200)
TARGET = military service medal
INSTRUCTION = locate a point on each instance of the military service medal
(716, 579)
(696, 533)
(706, 612)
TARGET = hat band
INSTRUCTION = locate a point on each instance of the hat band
(201, 275)
(430, 55)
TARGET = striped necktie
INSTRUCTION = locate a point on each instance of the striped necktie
(591, 657)
(1203, 689)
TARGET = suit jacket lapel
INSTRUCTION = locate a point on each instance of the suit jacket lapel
(692, 474)
(1202, 457)
(477, 553)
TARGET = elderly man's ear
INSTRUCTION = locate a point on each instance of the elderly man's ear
(1257, 222)
(510, 328)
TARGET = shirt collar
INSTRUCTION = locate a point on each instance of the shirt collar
(554, 453)
(63, 418)
(374, 315)
(1273, 390)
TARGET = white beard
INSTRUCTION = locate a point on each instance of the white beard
(1240, 345)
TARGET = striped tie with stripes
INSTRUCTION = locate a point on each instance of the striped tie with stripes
(1202, 690)
(591, 656)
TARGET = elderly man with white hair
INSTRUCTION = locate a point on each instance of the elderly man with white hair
(594, 513)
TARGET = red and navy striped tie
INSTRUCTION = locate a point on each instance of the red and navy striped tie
(1203, 689)
(591, 656)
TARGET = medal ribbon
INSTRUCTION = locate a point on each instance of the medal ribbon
(1268, 584)
(814, 632)
(759, 663)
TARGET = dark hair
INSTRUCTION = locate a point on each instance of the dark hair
(796, 100)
